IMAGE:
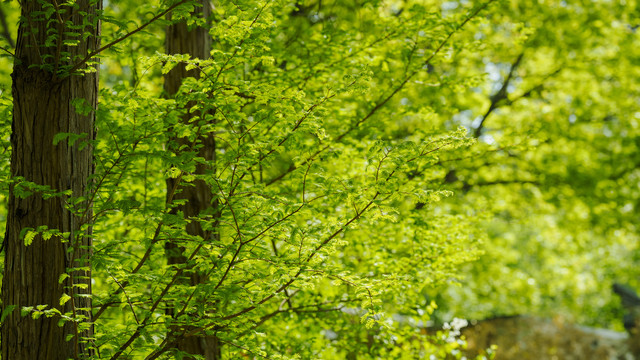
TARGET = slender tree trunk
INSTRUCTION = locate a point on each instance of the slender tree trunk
(33, 274)
(196, 42)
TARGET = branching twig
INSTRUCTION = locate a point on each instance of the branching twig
(500, 95)
(8, 51)
(128, 299)
(385, 99)
(126, 36)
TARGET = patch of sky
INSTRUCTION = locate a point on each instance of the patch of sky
(463, 118)
(449, 6)
(487, 139)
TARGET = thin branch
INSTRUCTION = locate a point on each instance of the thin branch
(166, 343)
(288, 296)
(536, 87)
(283, 288)
(136, 334)
(467, 186)
(133, 32)
(245, 349)
(60, 36)
(239, 46)
(500, 95)
(128, 299)
(147, 254)
(8, 52)
(337, 62)
(298, 310)
(299, 272)
(386, 99)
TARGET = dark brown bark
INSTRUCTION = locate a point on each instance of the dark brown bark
(195, 42)
(41, 109)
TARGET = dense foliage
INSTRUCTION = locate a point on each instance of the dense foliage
(379, 165)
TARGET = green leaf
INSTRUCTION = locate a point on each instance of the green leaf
(6, 311)
(64, 298)
(29, 236)
(72, 138)
(63, 277)
(174, 172)
(26, 310)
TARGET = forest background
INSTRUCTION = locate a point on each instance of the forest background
(329, 178)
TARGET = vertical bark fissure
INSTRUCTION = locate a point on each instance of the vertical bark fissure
(195, 42)
(42, 108)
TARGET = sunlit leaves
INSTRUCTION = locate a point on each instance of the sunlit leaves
(331, 125)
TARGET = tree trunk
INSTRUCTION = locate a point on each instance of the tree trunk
(195, 42)
(42, 108)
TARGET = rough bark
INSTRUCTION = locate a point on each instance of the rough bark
(41, 109)
(196, 42)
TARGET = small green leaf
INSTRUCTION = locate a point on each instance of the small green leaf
(62, 278)
(174, 172)
(59, 137)
(26, 310)
(168, 66)
(7, 310)
(28, 238)
(64, 298)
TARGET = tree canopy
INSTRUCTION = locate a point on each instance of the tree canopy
(374, 167)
